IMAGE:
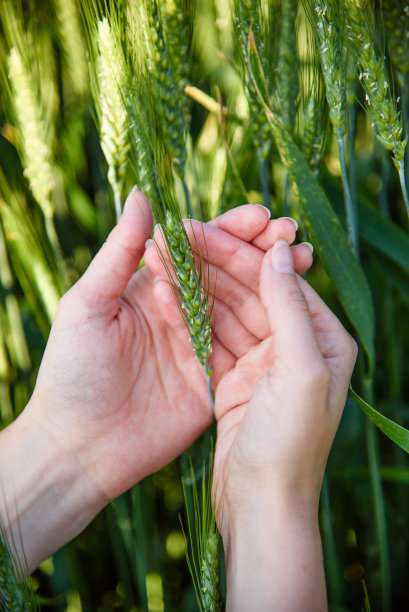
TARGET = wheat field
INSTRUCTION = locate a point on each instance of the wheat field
(301, 105)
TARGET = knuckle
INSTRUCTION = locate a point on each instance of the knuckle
(295, 297)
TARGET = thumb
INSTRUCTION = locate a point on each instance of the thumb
(113, 266)
(287, 309)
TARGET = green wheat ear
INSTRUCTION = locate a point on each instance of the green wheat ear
(194, 301)
(381, 105)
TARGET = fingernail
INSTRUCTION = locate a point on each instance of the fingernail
(148, 243)
(309, 245)
(134, 188)
(265, 208)
(156, 280)
(282, 259)
(293, 220)
(157, 228)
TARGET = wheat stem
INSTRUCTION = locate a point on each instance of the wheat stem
(117, 202)
(263, 168)
(401, 170)
(351, 217)
(188, 200)
(209, 386)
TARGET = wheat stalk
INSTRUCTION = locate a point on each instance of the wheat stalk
(113, 115)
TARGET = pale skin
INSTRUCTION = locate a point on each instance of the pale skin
(120, 393)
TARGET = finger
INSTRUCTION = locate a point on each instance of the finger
(112, 268)
(244, 302)
(245, 222)
(228, 329)
(284, 228)
(295, 342)
(302, 257)
(336, 344)
(222, 359)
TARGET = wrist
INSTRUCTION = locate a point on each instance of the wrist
(46, 497)
(274, 557)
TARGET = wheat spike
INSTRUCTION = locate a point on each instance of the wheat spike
(37, 154)
(397, 23)
(210, 575)
(287, 69)
(381, 105)
(169, 72)
(313, 134)
(195, 304)
(246, 17)
(114, 119)
(73, 44)
(327, 30)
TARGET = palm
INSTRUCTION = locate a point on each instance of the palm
(128, 384)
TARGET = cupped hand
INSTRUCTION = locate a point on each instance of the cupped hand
(279, 407)
(120, 389)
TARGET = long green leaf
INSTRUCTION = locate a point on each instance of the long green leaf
(328, 235)
(395, 432)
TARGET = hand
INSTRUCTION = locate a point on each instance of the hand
(120, 392)
(278, 411)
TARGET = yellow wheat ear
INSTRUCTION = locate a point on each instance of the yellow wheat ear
(114, 118)
(37, 154)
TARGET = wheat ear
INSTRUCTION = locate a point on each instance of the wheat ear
(210, 574)
(327, 23)
(37, 154)
(73, 44)
(381, 104)
(114, 119)
(194, 301)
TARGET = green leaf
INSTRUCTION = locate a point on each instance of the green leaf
(395, 432)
